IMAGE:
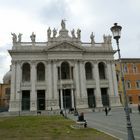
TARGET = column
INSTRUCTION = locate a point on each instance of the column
(55, 78)
(76, 79)
(61, 97)
(84, 100)
(12, 105)
(18, 85)
(82, 80)
(114, 80)
(33, 96)
(97, 90)
(46, 91)
(55, 90)
(49, 81)
(72, 98)
(18, 81)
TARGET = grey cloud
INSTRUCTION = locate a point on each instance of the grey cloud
(54, 11)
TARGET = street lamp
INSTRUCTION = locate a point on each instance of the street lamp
(116, 31)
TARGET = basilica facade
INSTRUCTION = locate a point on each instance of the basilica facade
(63, 72)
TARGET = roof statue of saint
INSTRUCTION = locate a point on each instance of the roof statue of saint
(79, 34)
(33, 36)
(92, 38)
(49, 33)
(19, 37)
(63, 25)
(14, 37)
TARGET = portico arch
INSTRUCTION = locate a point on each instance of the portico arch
(40, 72)
(65, 70)
(26, 72)
(101, 67)
(88, 70)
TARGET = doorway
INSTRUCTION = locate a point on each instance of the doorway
(91, 98)
(105, 97)
(67, 98)
(25, 100)
(41, 100)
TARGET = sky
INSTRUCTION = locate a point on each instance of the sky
(97, 16)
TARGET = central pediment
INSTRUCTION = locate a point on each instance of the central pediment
(65, 46)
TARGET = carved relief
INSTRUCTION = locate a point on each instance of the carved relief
(65, 47)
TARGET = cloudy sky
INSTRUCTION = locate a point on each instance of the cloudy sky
(26, 16)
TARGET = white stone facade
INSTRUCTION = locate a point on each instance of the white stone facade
(62, 73)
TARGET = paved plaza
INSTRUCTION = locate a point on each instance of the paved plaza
(114, 124)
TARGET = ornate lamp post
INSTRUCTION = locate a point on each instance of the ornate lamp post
(116, 31)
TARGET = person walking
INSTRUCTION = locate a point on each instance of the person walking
(106, 111)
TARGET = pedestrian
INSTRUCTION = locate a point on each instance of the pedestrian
(139, 107)
(109, 111)
(81, 119)
(106, 111)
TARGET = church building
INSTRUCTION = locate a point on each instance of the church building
(62, 73)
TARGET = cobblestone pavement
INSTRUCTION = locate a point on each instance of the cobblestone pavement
(114, 123)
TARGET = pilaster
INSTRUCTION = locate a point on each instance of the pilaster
(72, 98)
(33, 102)
(61, 97)
(49, 84)
(55, 90)
(18, 84)
(97, 90)
(18, 81)
(76, 78)
(82, 80)
(12, 106)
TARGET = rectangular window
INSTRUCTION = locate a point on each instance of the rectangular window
(125, 68)
(134, 68)
(128, 84)
(139, 98)
(137, 84)
(130, 99)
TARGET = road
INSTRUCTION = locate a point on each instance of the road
(114, 124)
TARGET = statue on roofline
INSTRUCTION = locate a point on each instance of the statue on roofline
(92, 38)
(107, 39)
(54, 32)
(19, 37)
(14, 37)
(79, 34)
(49, 33)
(63, 25)
(33, 36)
(73, 33)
